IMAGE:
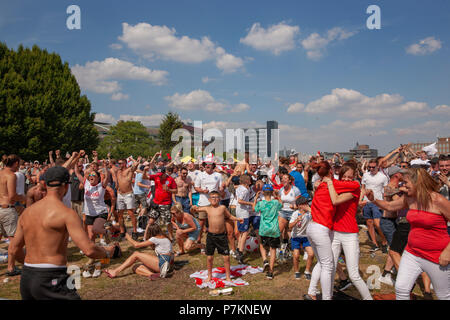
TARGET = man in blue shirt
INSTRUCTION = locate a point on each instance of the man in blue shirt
(299, 180)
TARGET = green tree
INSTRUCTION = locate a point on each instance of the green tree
(127, 138)
(41, 106)
(169, 123)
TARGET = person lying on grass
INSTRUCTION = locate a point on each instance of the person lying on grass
(217, 236)
(187, 229)
(152, 266)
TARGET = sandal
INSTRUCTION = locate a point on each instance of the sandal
(15, 272)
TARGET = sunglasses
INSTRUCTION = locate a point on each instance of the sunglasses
(92, 175)
(372, 167)
(404, 167)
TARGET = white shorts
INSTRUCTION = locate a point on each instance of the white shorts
(125, 201)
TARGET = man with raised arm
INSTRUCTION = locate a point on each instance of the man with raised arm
(125, 198)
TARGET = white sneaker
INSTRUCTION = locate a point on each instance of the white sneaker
(387, 279)
(97, 273)
(164, 269)
(3, 258)
(86, 274)
(103, 242)
(233, 254)
(81, 252)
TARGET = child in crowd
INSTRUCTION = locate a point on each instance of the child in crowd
(269, 229)
(216, 236)
(298, 223)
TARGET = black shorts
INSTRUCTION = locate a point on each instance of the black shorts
(400, 238)
(90, 219)
(273, 243)
(219, 241)
(108, 203)
(46, 284)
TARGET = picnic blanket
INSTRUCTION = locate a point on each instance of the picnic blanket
(218, 276)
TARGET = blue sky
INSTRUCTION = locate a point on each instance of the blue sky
(313, 66)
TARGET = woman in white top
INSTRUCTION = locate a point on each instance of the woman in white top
(152, 266)
(288, 195)
(94, 208)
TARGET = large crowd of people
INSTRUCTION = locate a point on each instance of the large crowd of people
(314, 209)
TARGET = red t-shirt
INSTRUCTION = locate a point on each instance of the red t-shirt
(345, 217)
(322, 209)
(163, 197)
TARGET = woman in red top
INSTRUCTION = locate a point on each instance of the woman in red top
(345, 232)
(319, 230)
(428, 248)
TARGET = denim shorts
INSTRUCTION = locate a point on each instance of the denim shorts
(296, 243)
(371, 211)
(285, 214)
(388, 227)
(253, 220)
(185, 203)
(163, 258)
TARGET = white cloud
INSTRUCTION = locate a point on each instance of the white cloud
(432, 127)
(442, 109)
(97, 76)
(276, 38)
(424, 46)
(207, 79)
(202, 100)
(152, 120)
(102, 117)
(315, 44)
(119, 96)
(354, 104)
(296, 107)
(115, 46)
(223, 125)
(161, 42)
(227, 62)
(357, 124)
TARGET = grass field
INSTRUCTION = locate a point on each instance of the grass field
(180, 287)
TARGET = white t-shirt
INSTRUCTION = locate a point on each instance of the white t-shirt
(94, 199)
(193, 175)
(376, 183)
(233, 200)
(299, 231)
(252, 199)
(242, 210)
(289, 198)
(162, 245)
(314, 178)
(20, 183)
(211, 182)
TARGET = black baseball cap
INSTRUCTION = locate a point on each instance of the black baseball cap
(56, 176)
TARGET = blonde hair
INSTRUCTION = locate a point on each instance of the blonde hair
(177, 207)
(424, 185)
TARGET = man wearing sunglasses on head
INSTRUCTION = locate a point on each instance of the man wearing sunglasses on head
(374, 180)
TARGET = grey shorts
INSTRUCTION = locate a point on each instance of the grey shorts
(141, 199)
(161, 214)
(8, 221)
(125, 201)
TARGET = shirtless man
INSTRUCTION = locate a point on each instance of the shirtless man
(8, 213)
(184, 190)
(44, 228)
(217, 236)
(125, 198)
(37, 192)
